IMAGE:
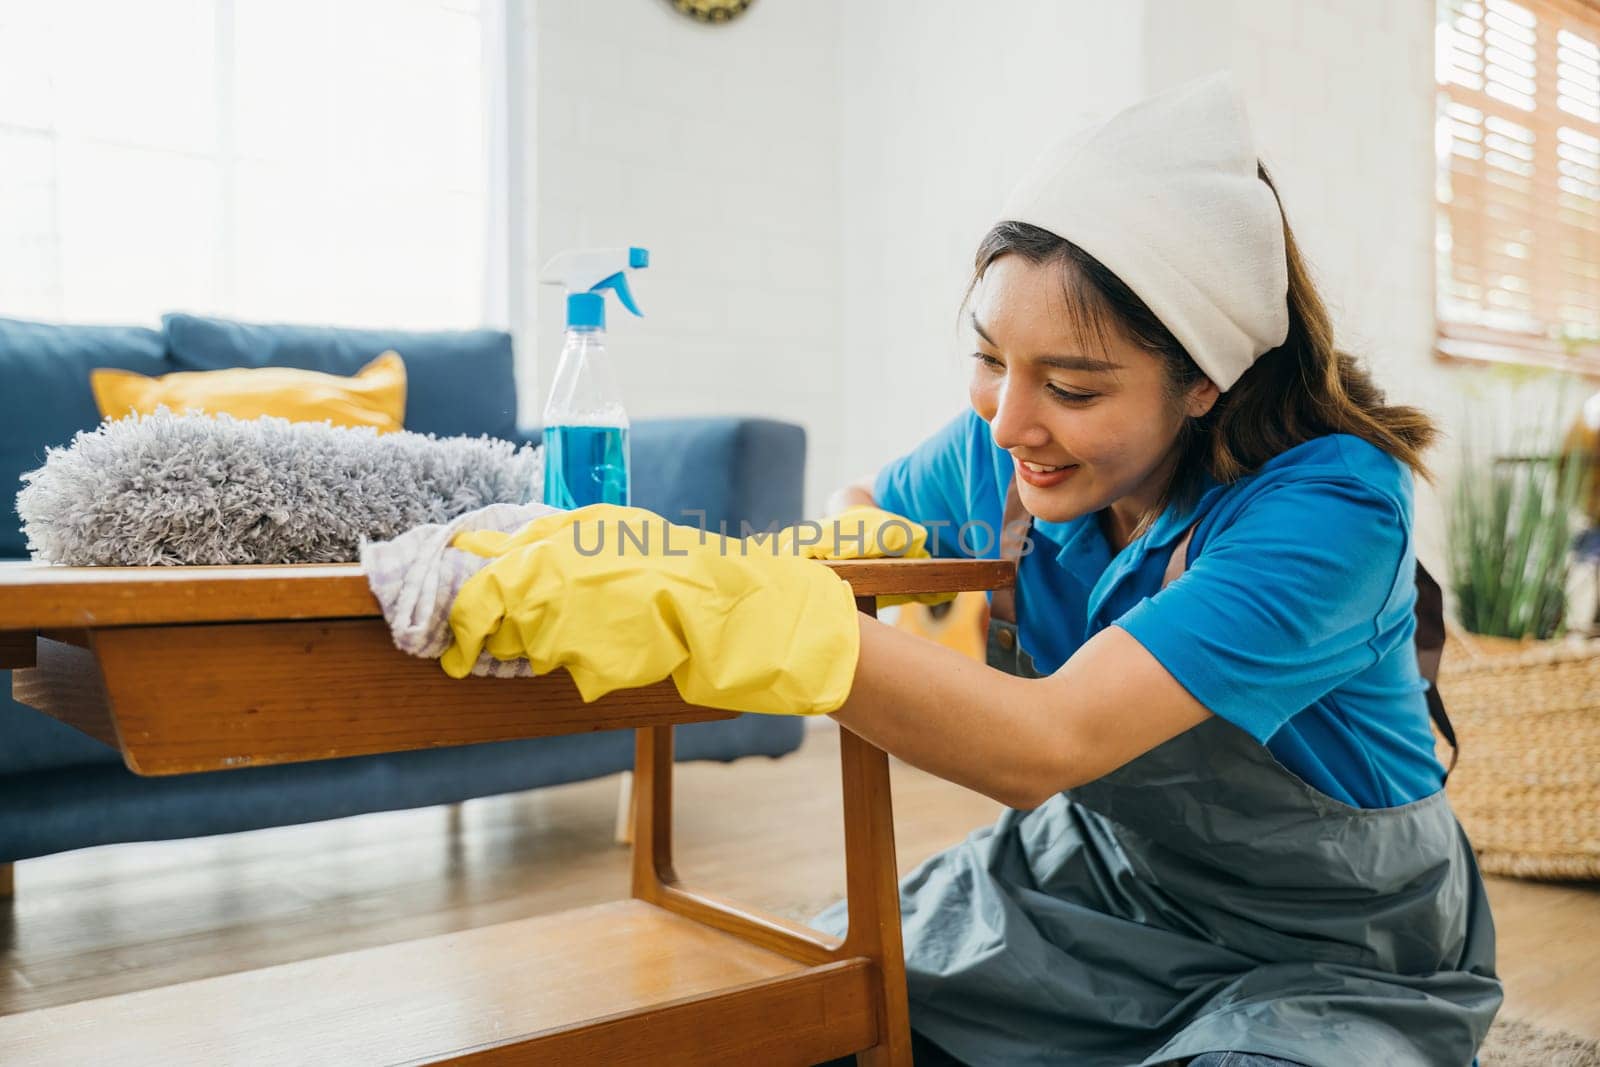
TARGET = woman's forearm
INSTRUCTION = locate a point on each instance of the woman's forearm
(950, 715)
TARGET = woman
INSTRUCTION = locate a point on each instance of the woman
(1227, 840)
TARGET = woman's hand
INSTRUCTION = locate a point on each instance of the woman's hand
(850, 496)
(862, 531)
(622, 598)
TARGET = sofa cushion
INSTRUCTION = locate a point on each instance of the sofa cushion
(54, 810)
(374, 396)
(458, 381)
(30, 740)
(45, 397)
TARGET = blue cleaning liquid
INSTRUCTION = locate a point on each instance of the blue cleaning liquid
(586, 465)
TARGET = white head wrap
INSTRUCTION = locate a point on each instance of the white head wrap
(1166, 195)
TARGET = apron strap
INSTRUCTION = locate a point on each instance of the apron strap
(1430, 649)
(1013, 533)
(1180, 558)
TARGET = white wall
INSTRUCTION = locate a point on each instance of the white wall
(945, 104)
(814, 178)
(716, 147)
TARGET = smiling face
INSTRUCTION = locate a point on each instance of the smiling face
(1059, 393)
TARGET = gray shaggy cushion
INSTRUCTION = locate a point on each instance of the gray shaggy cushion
(197, 489)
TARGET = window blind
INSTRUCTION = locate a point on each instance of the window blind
(1517, 141)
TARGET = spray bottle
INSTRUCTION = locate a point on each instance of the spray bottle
(585, 427)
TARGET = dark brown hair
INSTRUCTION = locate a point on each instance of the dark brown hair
(1303, 389)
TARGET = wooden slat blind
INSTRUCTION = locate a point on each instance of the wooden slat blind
(1518, 188)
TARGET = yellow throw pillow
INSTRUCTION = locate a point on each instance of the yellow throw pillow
(376, 396)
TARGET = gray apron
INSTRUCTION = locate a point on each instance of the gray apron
(1200, 898)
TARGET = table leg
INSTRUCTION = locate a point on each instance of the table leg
(652, 813)
(873, 885)
(871, 877)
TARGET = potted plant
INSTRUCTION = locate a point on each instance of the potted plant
(1512, 522)
(1524, 697)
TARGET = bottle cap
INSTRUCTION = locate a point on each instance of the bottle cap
(586, 310)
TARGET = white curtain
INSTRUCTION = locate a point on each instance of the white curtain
(318, 161)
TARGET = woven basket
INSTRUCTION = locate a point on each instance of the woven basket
(1527, 787)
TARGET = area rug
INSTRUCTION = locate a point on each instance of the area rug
(1514, 1043)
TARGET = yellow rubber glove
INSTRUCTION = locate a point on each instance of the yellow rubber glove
(862, 531)
(622, 598)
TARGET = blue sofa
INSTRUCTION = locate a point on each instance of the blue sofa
(61, 790)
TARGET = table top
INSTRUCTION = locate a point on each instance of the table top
(36, 596)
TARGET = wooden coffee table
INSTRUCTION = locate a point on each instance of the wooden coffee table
(188, 669)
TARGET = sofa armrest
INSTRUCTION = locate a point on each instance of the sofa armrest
(734, 469)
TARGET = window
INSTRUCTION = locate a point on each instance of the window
(288, 160)
(1518, 186)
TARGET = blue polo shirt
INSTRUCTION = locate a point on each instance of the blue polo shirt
(1294, 620)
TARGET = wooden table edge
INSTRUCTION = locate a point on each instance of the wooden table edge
(37, 596)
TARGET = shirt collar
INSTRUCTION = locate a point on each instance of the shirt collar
(1086, 555)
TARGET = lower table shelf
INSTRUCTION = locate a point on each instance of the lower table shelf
(620, 983)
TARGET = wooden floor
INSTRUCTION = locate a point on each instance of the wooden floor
(128, 917)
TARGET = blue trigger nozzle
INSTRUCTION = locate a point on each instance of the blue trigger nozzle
(618, 283)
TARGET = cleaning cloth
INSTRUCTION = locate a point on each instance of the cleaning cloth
(416, 577)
